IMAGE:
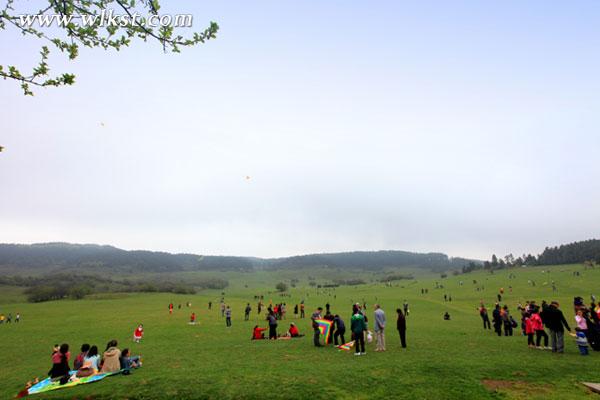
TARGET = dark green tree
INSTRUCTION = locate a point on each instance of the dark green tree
(494, 261)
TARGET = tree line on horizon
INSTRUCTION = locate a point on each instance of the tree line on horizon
(586, 251)
(19, 258)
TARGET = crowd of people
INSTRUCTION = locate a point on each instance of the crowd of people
(89, 361)
(536, 319)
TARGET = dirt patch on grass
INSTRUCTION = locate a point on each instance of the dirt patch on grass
(516, 389)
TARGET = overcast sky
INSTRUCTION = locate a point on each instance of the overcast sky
(465, 127)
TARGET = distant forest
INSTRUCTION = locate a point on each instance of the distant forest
(62, 257)
(587, 251)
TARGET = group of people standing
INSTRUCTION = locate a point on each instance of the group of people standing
(359, 327)
(535, 319)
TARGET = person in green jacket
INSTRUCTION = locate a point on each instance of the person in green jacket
(358, 327)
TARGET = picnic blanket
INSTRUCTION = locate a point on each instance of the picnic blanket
(47, 384)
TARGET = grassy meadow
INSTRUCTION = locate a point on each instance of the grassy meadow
(444, 359)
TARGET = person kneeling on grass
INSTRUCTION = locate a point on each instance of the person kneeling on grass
(258, 333)
(110, 358)
(293, 331)
(128, 362)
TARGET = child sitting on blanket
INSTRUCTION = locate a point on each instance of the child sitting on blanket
(128, 362)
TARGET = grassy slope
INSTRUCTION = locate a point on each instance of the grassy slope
(444, 360)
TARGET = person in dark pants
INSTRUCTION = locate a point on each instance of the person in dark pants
(247, 312)
(484, 316)
(401, 326)
(302, 310)
(358, 327)
(555, 320)
(315, 316)
(228, 317)
(329, 317)
(340, 330)
(507, 321)
(497, 319)
(272, 325)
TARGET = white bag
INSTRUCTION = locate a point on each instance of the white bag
(369, 337)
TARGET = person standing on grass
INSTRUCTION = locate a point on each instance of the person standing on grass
(506, 320)
(138, 333)
(210, 305)
(538, 327)
(170, 308)
(17, 318)
(484, 316)
(272, 325)
(380, 328)
(529, 330)
(497, 319)
(340, 330)
(556, 322)
(296, 311)
(358, 327)
(329, 317)
(406, 311)
(401, 326)
(247, 312)
(315, 316)
(228, 317)
(302, 315)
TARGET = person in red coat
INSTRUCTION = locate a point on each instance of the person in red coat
(258, 333)
(138, 333)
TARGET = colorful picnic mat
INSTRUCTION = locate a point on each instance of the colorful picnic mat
(47, 384)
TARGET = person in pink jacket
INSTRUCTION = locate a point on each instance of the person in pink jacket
(538, 327)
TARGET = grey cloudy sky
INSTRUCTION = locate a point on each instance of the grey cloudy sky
(461, 127)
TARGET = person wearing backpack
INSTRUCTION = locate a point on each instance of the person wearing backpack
(78, 363)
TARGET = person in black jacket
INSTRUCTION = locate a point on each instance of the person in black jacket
(555, 321)
(497, 319)
(340, 330)
(401, 326)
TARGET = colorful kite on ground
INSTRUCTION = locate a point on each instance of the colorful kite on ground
(47, 384)
(324, 327)
(346, 346)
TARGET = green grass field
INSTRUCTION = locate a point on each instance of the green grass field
(444, 359)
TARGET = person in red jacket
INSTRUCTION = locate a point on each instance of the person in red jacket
(257, 333)
(538, 327)
(529, 330)
(294, 332)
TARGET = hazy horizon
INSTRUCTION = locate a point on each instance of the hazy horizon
(464, 128)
